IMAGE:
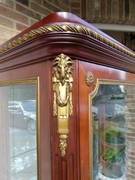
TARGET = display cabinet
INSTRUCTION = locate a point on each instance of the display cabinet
(67, 107)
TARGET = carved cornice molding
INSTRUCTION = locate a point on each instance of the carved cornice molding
(65, 28)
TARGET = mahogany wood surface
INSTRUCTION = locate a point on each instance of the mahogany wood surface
(41, 70)
(99, 72)
(80, 46)
(34, 58)
(64, 17)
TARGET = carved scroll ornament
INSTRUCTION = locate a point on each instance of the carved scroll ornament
(62, 104)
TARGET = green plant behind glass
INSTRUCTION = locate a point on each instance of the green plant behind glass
(110, 135)
(111, 154)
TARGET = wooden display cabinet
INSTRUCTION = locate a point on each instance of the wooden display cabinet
(80, 83)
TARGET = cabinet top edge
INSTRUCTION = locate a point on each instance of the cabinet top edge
(64, 22)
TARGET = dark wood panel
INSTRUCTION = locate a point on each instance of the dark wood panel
(78, 46)
(57, 167)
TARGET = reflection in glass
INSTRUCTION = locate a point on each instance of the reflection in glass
(18, 154)
(108, 114)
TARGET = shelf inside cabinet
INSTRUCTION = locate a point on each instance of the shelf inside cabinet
(23, 165)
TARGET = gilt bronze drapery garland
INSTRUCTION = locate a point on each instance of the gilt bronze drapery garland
(62, 103)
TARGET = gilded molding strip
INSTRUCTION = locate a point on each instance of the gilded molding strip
(62, 103)
(64, 28)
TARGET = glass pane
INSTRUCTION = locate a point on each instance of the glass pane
(113, 110)
(18, 146)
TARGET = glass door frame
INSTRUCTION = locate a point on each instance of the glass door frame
(26, 81)
(90, 97)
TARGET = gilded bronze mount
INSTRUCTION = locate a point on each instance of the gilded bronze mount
(89, 78)
(62, 103)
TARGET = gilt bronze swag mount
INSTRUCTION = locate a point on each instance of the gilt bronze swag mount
(62, 103)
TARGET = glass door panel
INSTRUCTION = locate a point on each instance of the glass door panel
(113, 113)
(18, 142)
